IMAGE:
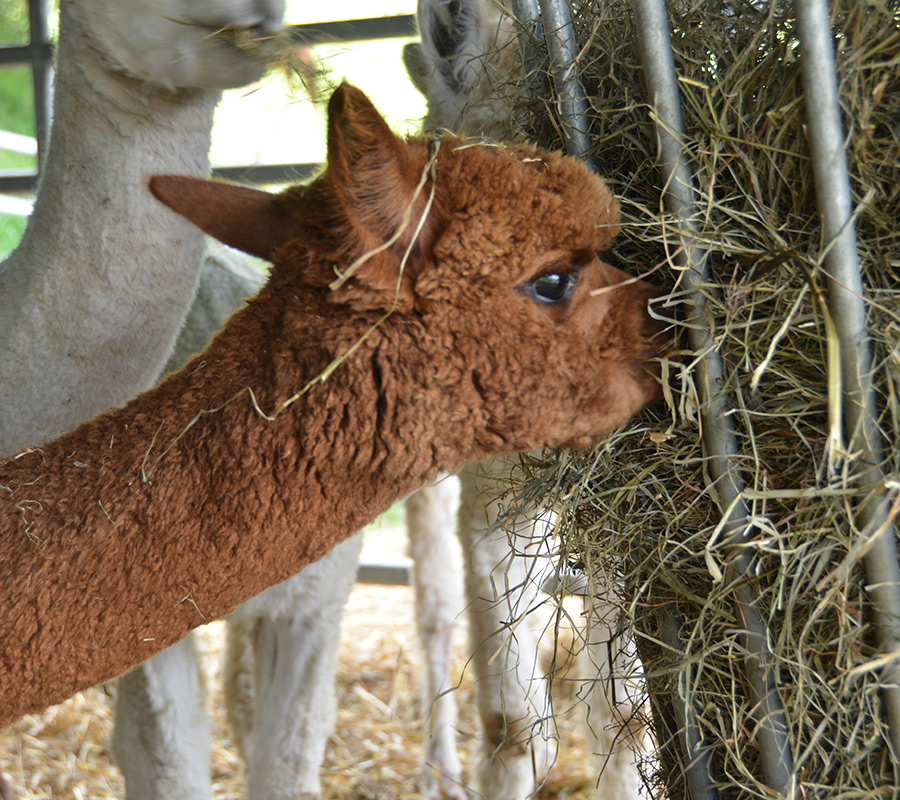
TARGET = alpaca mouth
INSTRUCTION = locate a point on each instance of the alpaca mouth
(255, 41)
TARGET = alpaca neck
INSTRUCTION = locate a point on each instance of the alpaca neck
(120, 537)
(104, 275)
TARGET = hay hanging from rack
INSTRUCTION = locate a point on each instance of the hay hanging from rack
(640, 504)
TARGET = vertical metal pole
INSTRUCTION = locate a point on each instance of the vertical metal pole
(697, 779)
(528, 15)
(848, 308)
(531, 34)
(559, 33)
(41, 75)
(718, 437)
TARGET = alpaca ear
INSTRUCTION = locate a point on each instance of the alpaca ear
(246, 219)
(375, 177)
(362, 149)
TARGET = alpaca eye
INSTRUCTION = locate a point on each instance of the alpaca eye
(553, 287)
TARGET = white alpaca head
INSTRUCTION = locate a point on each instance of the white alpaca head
(467, 66)
(178, 44)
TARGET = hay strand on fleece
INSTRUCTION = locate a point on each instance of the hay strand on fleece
(643, 501)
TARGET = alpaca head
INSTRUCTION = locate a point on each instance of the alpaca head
(178, 44)
(489, 254)
(468, 67)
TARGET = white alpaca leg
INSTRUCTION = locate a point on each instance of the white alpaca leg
(430, 519)
(294, 629)
(161, 739)
(612, 729)
(510, 690)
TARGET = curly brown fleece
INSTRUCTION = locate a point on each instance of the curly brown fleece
(119, 538)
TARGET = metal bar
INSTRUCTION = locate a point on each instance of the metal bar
(353, 30)
(399, 574)
(696, 752)
(266, 173)
(718, 436)
(18, 182)
(559, 33)
(531, 31)
(26, 54)
(528, 12)
(41, 75)
(848, 309)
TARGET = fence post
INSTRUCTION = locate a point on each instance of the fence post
(559, 33)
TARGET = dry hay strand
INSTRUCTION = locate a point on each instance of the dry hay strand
(375, 754)
(284, 54)
(640, 505)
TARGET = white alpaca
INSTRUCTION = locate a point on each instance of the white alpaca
(468, 67)
(92, 299)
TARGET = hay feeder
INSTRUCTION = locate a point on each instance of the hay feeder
(755, 147)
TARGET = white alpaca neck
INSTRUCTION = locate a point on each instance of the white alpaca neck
(98, 247)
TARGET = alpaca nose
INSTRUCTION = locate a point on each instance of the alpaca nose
(263, 14)
(643, 295)
(651, 334)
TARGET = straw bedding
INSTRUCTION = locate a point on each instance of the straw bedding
(639, 506)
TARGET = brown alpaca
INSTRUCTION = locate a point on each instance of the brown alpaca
(477, 331)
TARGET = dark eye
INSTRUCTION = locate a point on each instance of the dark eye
(553, 287)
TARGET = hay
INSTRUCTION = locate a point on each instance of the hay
(641, 502)
(292, 59)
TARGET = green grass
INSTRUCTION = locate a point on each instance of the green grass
(16, 110)
(17, 116)
(14, 22)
